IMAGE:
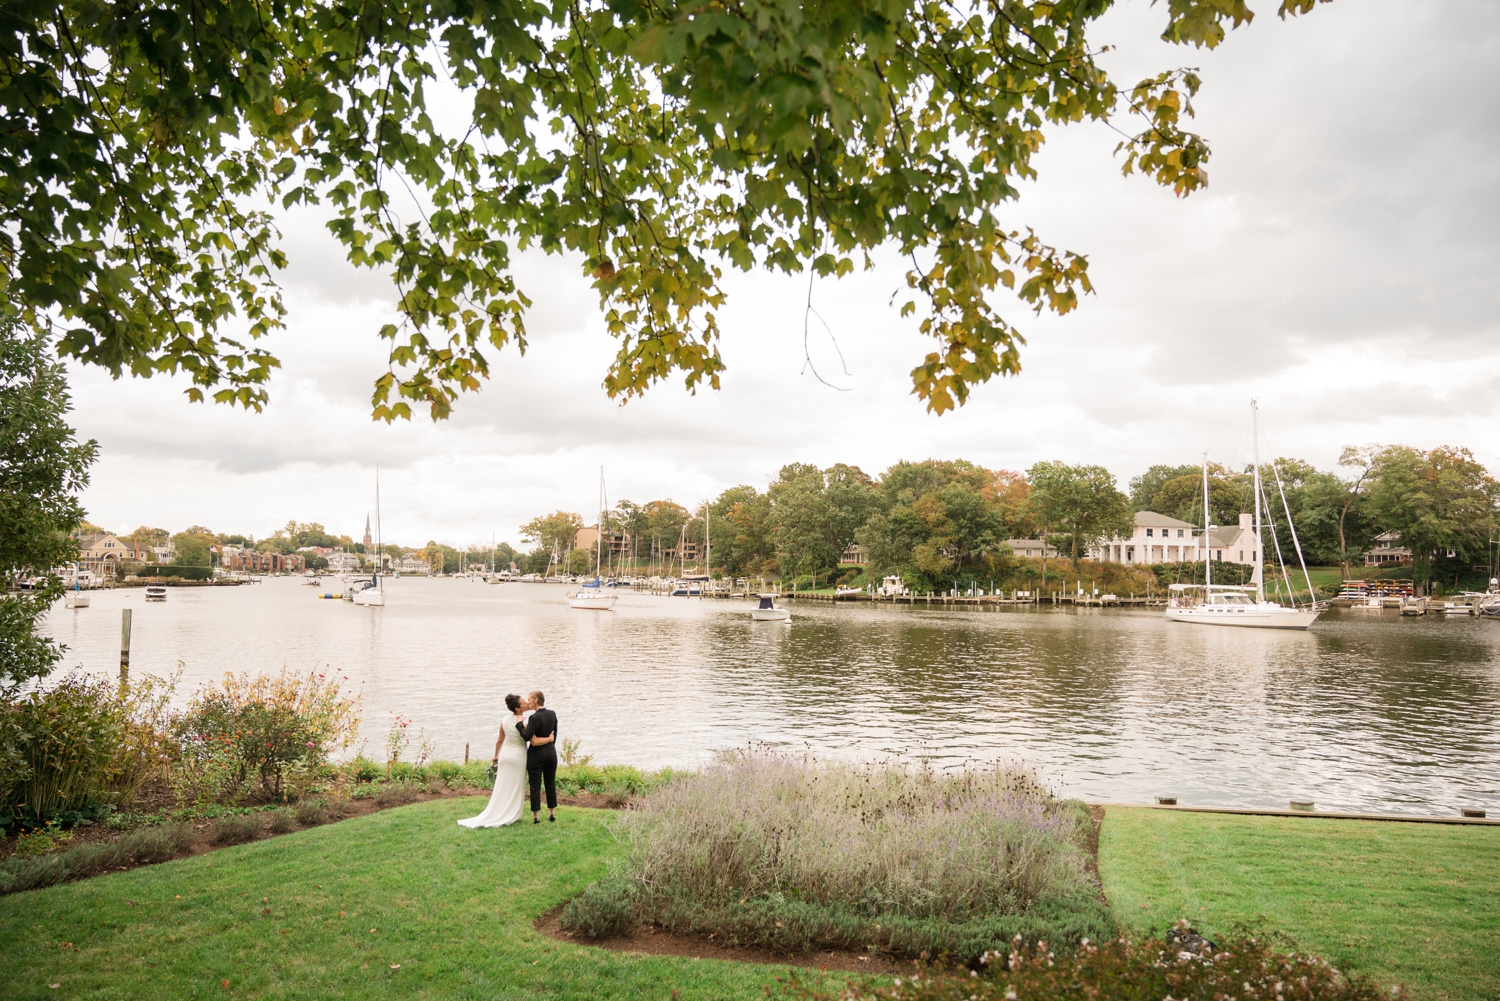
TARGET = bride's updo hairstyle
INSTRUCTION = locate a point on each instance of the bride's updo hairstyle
(513, 702)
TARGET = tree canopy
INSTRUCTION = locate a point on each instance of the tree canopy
(147, 147)
(1080, 503)
(43, 468)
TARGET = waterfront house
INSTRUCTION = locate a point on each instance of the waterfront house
(342, 562)
(102, 552)
(1032, 548)
(1159, 538)
(405, 564)
(854, 555)
(1388, 549)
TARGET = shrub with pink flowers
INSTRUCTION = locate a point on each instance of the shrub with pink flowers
(266, 727)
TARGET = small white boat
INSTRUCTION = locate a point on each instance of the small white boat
(312, 582)
(593, 597)
(75, 599)
(769, 611)
(372, 596)
(1232, 605)
(156, 592)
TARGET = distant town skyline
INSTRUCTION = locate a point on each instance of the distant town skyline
(1340, 267)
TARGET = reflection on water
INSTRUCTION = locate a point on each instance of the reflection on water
(1363, 711)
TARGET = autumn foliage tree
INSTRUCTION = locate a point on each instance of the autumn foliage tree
(147, 148)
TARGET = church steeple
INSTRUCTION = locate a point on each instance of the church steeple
(367, 529)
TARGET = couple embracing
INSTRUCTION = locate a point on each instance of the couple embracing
(526, 749)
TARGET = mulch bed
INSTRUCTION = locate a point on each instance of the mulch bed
(659, 942)
(649, 941)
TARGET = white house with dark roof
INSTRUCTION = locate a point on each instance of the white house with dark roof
(1033, 548)
(1158, 538)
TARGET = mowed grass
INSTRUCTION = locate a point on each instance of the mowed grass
(331, 911)
(1410, 904)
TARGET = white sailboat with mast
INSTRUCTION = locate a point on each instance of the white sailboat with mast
(592, 595)
(1244, 605)
(374, 595)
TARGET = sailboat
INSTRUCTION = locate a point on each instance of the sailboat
(1243, 605)
(76, 598)
(374, 595)
(592, 594)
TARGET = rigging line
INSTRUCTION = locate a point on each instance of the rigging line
(1297, 543)
(807, 362)
(1276, 541)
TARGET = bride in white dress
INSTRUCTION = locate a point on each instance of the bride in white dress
(506, 802)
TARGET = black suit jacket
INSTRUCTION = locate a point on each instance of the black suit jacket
(543, 723)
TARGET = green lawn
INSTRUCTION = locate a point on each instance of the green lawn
(1404, 903)
(453, 907)
(1414, 904)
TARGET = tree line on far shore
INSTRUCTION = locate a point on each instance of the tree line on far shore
(944, 523)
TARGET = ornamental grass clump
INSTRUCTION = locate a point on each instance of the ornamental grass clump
(778, 852)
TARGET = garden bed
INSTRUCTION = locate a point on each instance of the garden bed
(650, 939)
(189, 833)
(784, 857)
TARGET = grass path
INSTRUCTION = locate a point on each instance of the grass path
(324, 913)
(1414, 904)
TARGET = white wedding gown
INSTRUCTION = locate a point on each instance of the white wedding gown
(507, 801)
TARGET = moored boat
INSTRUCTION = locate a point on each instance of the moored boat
(1233, 605)
(156, 592)
(768, 611)
(1245, 605)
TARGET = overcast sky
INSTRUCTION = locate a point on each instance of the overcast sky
(1341, 267)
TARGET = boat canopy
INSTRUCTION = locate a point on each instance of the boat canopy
(1211, 587)
(765, 602)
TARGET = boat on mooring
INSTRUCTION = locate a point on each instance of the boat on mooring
(1245, 605)
(769, 611)
(592, 596)
(156, 592)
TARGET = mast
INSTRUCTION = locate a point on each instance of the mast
(708, 541)
(1208, 556)
(377, 528)
(599, 536)
(1260, 556)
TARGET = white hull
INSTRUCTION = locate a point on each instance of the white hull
(594, 602)
(769, 614)
(1267, 616)
(75, 600)
(370, 596)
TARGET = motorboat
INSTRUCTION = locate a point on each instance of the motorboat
(769, 611)
(847, 592)
(1233, 605)
(156, 592)
(312, 582)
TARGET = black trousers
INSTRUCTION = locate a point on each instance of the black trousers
(541, 766)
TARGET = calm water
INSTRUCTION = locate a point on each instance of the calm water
(1364, 711)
